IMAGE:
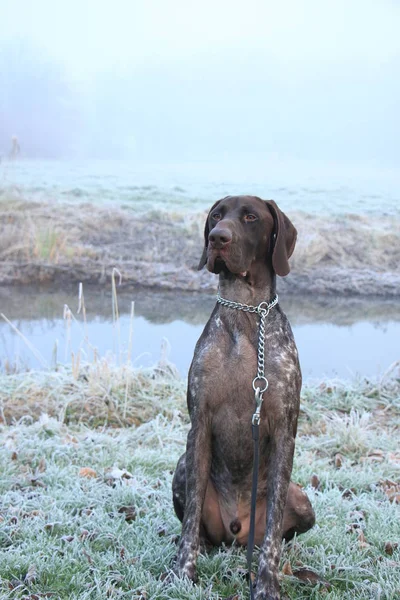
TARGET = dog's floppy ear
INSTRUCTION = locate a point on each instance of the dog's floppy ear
(285, 241)
(203, 259)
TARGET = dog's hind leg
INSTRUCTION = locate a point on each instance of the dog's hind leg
(198, 460)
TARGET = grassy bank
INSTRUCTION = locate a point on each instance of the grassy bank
(65, 243)
(86, 511)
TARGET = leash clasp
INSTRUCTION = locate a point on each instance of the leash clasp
(258, 396)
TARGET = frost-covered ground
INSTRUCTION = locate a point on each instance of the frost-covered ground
(87, 458)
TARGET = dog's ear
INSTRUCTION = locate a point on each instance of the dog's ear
(285, 239)
(203, 258)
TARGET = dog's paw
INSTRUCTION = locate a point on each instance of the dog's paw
(267, 596)
(183, 569)
(188, 570)
(174, 572)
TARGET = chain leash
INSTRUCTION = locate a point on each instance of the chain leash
(260, 385)
(260, 382)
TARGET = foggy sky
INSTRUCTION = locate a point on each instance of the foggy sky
(178, 79)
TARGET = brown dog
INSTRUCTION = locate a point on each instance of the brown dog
(247, 242)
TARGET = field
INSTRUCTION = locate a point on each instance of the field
(87, 456)
(64, 243)
(88, 451)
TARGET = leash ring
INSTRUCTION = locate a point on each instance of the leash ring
(263, 381)
(263, 309)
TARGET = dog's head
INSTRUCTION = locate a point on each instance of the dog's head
(242, 230)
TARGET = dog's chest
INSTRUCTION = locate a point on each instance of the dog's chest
(224, 364)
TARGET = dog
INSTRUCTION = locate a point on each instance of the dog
(247, 242)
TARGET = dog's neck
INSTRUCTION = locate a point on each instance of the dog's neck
(259, 285)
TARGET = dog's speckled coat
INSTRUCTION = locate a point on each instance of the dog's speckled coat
(247, 242)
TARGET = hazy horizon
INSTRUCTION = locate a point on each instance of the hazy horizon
(178, 81)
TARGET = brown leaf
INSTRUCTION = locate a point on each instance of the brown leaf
(67, 538)
(70, 439)
(161, 531)
(348, 493)
(287, 569)
(53, 527)
(310, 577)
(13, 584)
(14, 456)
(32, 514)
(87, 472)
(83, 534)
(129, 512)
(390, 547)
(42, 465)
(338, 460)
(315, 482)
(376, 452)
(394, 497)
(384, 483)
(393, 457)
(391, 489)
(362, 542)
(371, 458)
(86, 512)
(115, 473)
(36, 482)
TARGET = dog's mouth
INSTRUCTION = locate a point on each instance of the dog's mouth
(218, 264)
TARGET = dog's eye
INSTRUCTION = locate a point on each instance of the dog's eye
(250, 218)
(216, 217)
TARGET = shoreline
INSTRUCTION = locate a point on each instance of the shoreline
(64, 244)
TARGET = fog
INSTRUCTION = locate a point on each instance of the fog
(180, 80)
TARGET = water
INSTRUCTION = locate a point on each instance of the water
(335, 338)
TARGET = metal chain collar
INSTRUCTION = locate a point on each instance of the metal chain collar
(260, 382)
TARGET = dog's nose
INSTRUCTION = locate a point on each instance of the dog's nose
(220, 237)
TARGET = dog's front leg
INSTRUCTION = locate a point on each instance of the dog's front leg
(198, 459)
(279, 471)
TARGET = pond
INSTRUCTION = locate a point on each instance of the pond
(336, 337)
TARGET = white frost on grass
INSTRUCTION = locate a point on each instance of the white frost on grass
(70, 529)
